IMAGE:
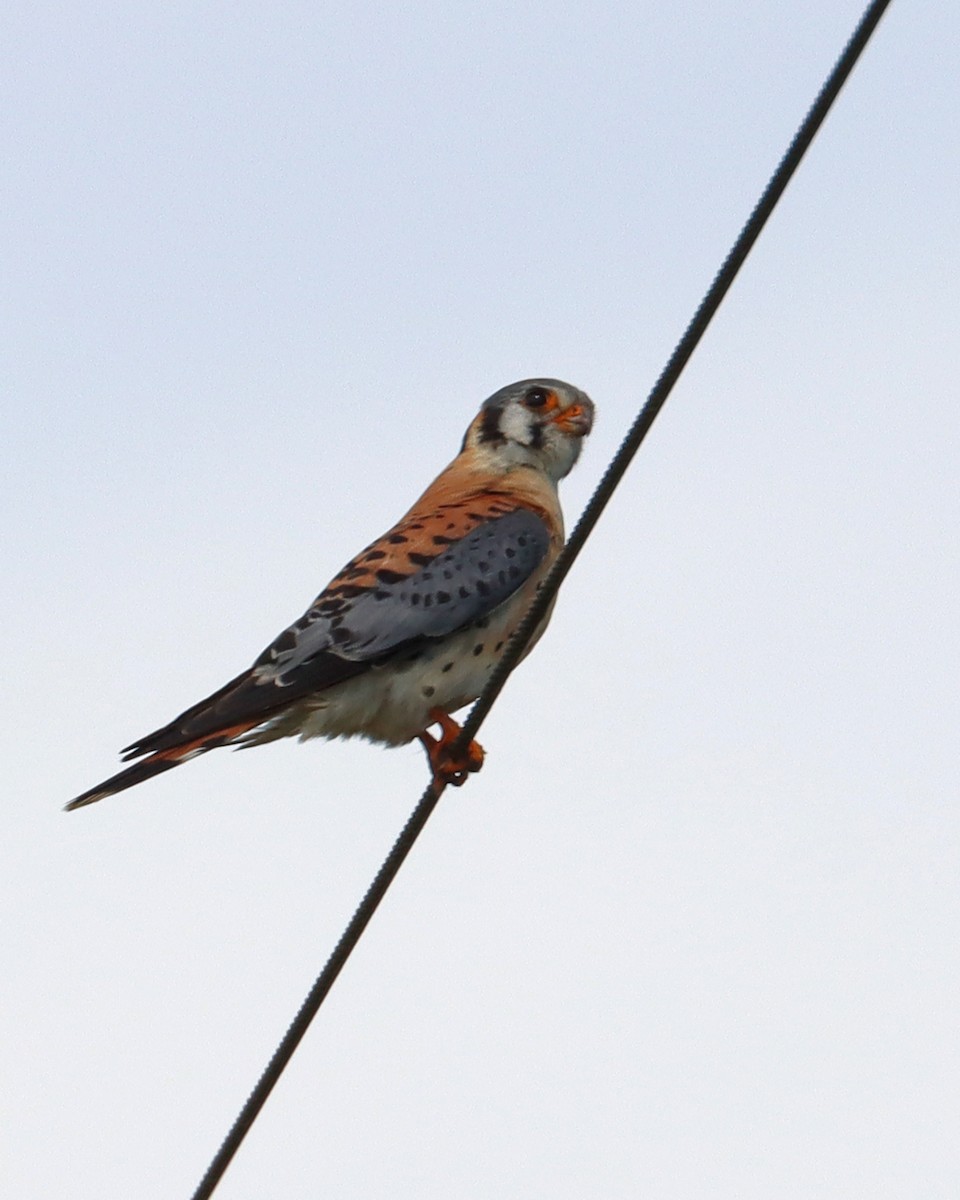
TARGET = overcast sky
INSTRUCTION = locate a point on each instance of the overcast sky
(695, 930)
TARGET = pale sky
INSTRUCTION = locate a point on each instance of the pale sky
(694, 931)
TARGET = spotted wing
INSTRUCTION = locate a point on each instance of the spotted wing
(453, 589)
(369, 613)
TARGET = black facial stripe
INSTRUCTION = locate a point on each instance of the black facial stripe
(490, 425)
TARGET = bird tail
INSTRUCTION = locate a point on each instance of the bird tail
(161, 760)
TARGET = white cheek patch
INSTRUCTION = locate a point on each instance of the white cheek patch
(515, 424)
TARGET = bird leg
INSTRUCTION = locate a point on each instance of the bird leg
(446, 769)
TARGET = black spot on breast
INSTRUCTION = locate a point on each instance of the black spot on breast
(447, 667)
(498, 647)
(387, 576)
(428, 691)
(478, 648)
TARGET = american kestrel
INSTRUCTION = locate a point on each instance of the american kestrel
(411, 628)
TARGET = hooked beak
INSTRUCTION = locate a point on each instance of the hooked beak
(577, 420)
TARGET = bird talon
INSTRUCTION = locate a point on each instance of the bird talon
(446, 769)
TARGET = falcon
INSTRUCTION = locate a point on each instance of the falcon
(411, 628)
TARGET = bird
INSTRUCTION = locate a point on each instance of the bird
(410, 629)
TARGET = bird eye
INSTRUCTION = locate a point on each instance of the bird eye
(537, 398)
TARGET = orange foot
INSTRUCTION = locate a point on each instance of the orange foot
(446, 769)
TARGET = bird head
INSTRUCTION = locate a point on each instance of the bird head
(539, 423)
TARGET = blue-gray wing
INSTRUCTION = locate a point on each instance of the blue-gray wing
(462, 583)
(355, 625)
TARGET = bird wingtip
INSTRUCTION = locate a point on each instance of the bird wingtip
(83, 800)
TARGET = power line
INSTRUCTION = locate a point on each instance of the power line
(611, 478)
